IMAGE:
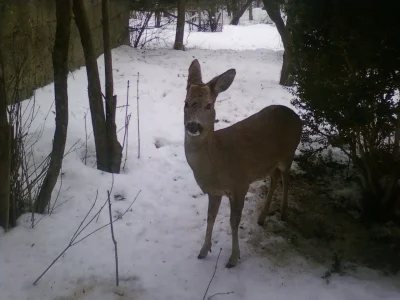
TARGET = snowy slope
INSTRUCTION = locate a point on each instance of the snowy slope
(159, 239)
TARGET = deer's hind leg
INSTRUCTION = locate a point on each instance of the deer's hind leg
(284, 205)
(272, 186)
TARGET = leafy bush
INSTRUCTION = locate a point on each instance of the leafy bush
(346, 62)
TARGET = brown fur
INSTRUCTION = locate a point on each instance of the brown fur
(225, 162)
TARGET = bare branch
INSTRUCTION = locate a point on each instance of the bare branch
(114, 240)
(215, 270)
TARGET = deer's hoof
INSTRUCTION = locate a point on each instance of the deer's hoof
(230, 265)
(204, 251)
(232, 262)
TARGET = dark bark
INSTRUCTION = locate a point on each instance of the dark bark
(273, 10)
(180, 26)
(251, 12)
(286, 78)
(199, 12)
(114, 147)
(234, 7)
(239, 13)
(5, 153)
(158, 18)
(94, 86)
(60, 70)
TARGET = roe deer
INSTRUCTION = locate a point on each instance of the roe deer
(225, 162)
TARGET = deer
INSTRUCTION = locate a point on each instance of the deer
(226, 161)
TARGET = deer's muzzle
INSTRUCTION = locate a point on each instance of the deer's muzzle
(194, 128)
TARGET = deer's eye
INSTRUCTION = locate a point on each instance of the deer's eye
(186, 105)
(209, 106)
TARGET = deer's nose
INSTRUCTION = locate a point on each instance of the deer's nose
(193, 127)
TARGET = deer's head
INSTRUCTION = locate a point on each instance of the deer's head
(199, 112)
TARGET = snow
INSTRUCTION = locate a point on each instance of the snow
(159, 239)
(232, 37)
(256, 34)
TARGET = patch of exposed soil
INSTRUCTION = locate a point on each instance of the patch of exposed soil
(322, 229)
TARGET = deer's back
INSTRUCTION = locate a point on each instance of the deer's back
(261, 142)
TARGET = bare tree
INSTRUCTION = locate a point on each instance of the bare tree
(180, 26)
(234, 7)
(239, 12)
(5, 151)
(60, 69)
(273, 9)
(94, 86)
(114, 147)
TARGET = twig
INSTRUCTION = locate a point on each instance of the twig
(138, 119)
(126, 112)
(72, 149)
(124, 126)
(222, 100)
(215, 270)
(54, 208)
(126, 149)
(86, 139)
(79, 230)
(216, 294)
(112, 186)
(114, 240)
(127, 120)
(70, 242)
(101, 227)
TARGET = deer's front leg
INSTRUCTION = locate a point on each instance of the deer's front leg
(213, 207)
(237, 203)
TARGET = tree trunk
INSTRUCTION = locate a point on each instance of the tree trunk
(286, 78)
(94, 86)
(239, 14)
(158, 18)
(5, 153)
(60, 69)
(274, 13)
(199, 18)
(180, 26)
(251, 12)
(114, 147)
(234, 7)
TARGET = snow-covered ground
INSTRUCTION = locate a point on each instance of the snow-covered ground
(159, 239)
(252, 35)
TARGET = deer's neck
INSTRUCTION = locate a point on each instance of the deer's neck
(200, 154)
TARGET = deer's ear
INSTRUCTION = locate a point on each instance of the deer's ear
(222, 82)
(194, 74)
